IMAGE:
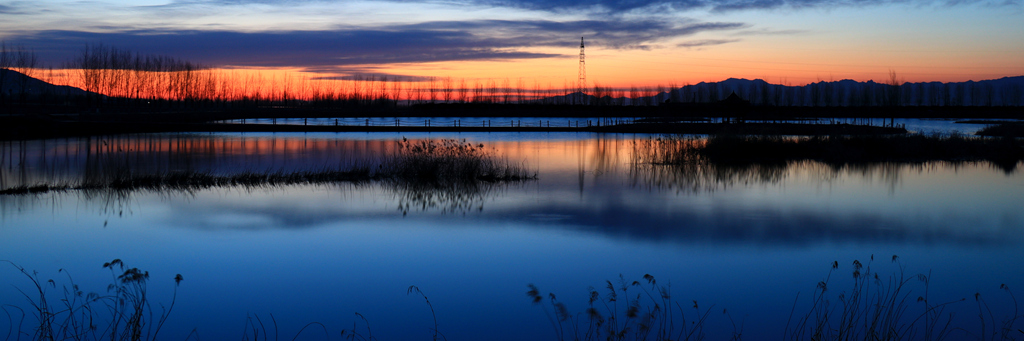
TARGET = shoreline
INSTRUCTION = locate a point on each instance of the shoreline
(37, 129)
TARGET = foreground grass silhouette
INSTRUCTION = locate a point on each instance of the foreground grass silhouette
(876, 307)
(894, 306)
(125, 307)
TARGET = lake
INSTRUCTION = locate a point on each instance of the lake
(748, 244)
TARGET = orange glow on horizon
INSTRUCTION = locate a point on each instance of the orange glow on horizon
(505, 81)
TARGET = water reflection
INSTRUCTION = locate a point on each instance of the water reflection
(454, 198)
(99, 159)
(598, 184)
(700, 176)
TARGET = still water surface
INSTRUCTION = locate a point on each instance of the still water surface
(748, 240)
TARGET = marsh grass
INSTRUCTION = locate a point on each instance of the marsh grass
(356, 333)
(892, 307)
(876, 307)
(416, 290)
(255, 330)
(707, 163)
(647, 313)
(193, 181)
(896, 306)
(1010, 129)
(841, 150)
(447, 174)
(123, 312)
(677, 163)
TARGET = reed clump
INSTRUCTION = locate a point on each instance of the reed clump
(449, 175)
(450, 161)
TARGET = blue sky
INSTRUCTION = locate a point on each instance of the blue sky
(629, 41)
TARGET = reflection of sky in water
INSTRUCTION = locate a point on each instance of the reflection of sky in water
(321, 253)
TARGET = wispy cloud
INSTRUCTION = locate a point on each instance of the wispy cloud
(356, 75)
(617, 34)
(706, 42)
(767, 32)
(15, 7)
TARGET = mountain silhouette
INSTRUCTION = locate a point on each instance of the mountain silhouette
(17, 83)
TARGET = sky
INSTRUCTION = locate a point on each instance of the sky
(536, 42)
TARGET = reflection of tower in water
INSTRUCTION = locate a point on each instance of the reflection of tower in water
(581, 164)
(597, 156)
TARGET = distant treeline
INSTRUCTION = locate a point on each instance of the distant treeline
(108, 77)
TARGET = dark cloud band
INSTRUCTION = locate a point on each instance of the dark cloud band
(410, 43)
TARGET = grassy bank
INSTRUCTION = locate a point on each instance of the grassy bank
(33, 128)
(1003, 130)
(452, 165)
(832, 150)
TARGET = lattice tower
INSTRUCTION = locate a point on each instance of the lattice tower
(581, 86)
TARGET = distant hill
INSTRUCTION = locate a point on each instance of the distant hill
(1006, 91)
(15, 83)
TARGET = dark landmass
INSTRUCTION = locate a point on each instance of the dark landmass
(988, 121)
(192, 181)
(835, 150)
(1003, 130)
(446, 166)
(685, 119)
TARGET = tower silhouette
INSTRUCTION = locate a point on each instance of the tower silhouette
(581, 86)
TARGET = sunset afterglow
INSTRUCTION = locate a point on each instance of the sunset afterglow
(643, 43)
